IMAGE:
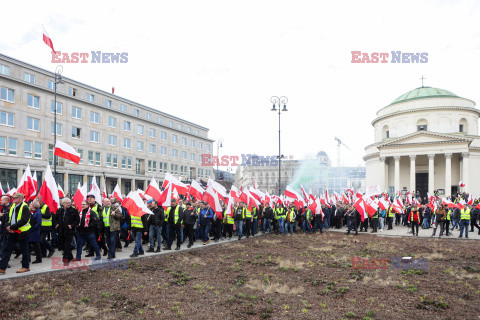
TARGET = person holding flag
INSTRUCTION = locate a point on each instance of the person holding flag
(267, 218)
(189, 219)
(352, 219)
(18, 228)
(174, 217)
(238, 217)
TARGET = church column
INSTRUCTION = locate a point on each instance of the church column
(431, 173)
(383, 183)
(397, 173)
(412, 174)
(448, 174)
(465, 156)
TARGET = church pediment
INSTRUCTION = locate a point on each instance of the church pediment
(425, 138)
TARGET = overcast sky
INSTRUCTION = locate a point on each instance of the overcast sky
(217, 63)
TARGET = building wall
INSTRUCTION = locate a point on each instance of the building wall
(134, 113)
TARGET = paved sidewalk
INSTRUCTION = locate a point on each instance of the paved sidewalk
(55, 262)
(403, 231)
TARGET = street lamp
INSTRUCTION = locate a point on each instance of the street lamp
(219, 145)
(58, 80)
(279, 101)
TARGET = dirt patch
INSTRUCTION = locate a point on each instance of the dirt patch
(319, 276)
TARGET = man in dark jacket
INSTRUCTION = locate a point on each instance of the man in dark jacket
(156, 221)
(86, 232)
(473, 222)
(175, 219)
(66, 222)
(267, 218)
(189, 219)
(5, 203)
(352, 219)
(18, 228)
(34, 236)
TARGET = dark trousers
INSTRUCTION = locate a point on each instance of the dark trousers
(390, 222)
(374, 224)
(473, 223)
(352, 226)
(87, 238)
(36, 249)
(248, 227)
(113, 235)
(190, 233)
(414, 227)
(447, 226)
(318, 225)
(174, 230)
(218, 229)
(44, 244)
(227, 229)
(66, 241)
(12, 241)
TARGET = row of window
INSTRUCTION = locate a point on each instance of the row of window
(33, 101)
(7, 118)
(32, 149)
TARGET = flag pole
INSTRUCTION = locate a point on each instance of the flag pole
(58, 79)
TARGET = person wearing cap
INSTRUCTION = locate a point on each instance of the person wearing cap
(18, 228)
(156, 221)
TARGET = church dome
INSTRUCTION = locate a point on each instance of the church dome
(423, 92)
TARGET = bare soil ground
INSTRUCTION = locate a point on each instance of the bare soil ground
(267, 277)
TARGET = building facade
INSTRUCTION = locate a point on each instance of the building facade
(315, 174)
(425, 140)
(120, 141)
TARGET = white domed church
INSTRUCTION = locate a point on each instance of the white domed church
(425, 140)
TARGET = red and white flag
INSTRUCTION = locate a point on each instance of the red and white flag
(153, 190)
(26, 186)
(175, 194)
(80, 195)
(66, 151)
(222, 192)
(47, 39)
(196, 190)
(180, 186)
(117, 193)
(461, 184)
(135, 205)
(211, 197)
(104, 192)
(35, 184)
(11, 192)
(229, 209)
(166, 197)
(360, 207)
(449, 203)
(304, 193)
(461, 204)
(289, 192)
(1, 190)
(95, 190)
(383, 204)
(49, 191)
(255, 185)
(470, 200)
(234, 192)
(61, 194)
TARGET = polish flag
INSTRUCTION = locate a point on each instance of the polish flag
(345, 198)
(255, 185)
(234, 192)
(370, 206)
(66, 151)
(383, 204)
(104, 193)
(47, 39)
(470, 200)
(61, 194)
(95, 190)
(49, 191)
(26, 186)
(449, 203)
(304, 193)
(211, 197)
(243, 197)
(350, 192)
(267, 199)
(117, 193)
(153, 190)
(478, 206)
(80, 195)
(360, 207)
(1, 190)
(180, 186)
(35, 184)
(135, 205)
(166, 197)
(142, 195)
(461, 184)
(229, 209)
(257, 194)
(222, 192)
(175, 194)
(289, 192)
(196, 190)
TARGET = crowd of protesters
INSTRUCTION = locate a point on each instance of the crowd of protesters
(31, 230)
